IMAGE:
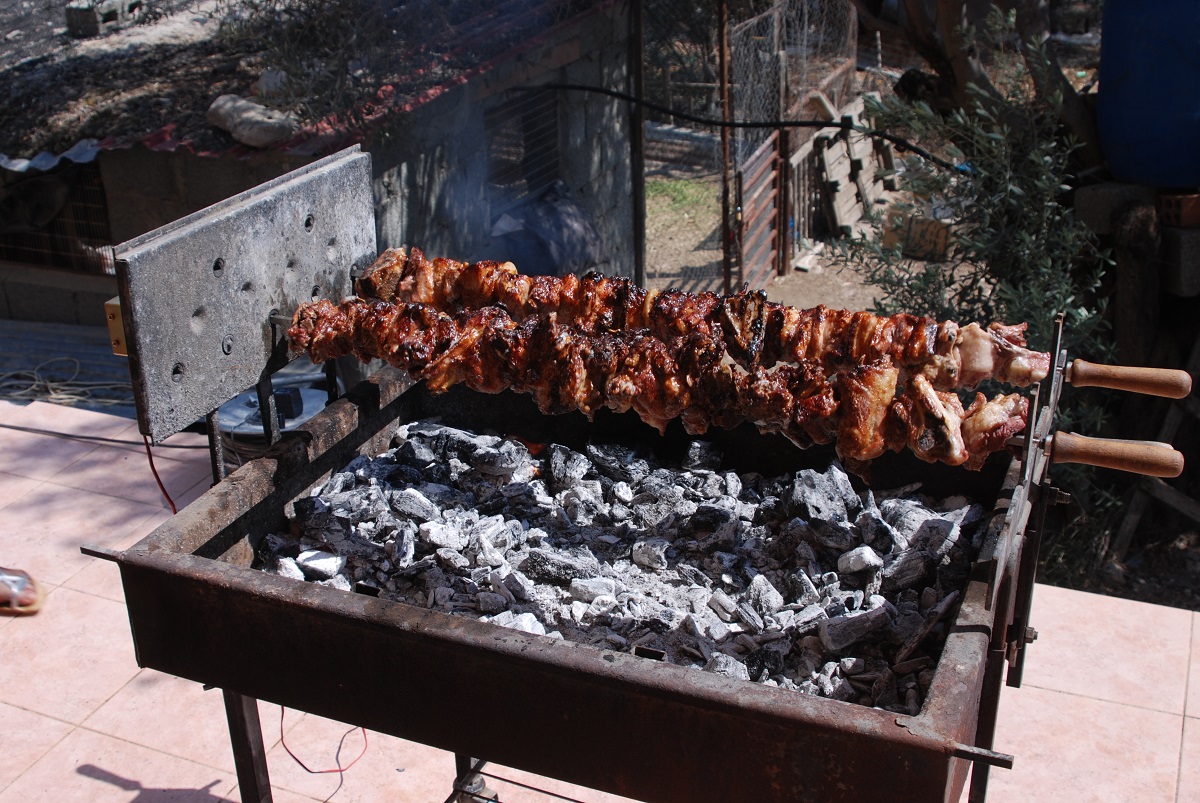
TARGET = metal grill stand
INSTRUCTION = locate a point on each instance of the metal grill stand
(205, 303)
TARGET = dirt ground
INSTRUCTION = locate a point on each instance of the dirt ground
(683, 247)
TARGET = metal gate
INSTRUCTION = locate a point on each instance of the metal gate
(762, 245)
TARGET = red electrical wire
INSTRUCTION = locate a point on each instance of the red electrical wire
(154, 471)
(339, 769)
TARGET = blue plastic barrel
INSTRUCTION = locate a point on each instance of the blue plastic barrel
(1148, 111)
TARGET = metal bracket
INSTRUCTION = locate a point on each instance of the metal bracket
(198, 294)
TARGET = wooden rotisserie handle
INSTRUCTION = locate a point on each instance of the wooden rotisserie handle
(1140, 457)
(1169, 382)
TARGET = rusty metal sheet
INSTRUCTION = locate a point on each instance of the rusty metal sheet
(197, 294)
(611, 721)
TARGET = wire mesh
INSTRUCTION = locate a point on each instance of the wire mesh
(683, 159)
(58, 219)
(793, 60)
(523, 149)
(788, 59)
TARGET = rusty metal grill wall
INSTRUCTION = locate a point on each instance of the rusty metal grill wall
(611, 721)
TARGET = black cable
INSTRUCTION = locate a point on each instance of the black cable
(97, 438)
(900, 142)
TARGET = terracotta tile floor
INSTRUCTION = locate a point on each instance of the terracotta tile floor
(80, 721)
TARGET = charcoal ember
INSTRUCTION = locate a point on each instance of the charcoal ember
(904, 626)
(619, 462)
(651, 507)
(733, 484)
(567, 467)
(583, 502)
(750, 617)
(494, 529)
(693, 576)
(503, 460)
(448, 441)
(905, 516)
(859, 559)
(814, 496)
(414, 454)
(702, 454)
(600, 607)
(285, 567)
(439, 534)
(618, 513)
(838, 536)
(727, 537)
(843, 631)
(340, 582)
(765, 661)
(708, 517)
(905, 570)
(485, 553)
(527, 623)
(490, 602)
(709, 485)
(723, 606)
(343, 479)
(560, 568)
(804, 591)
(412, 504)
(519, 585)
(319, 565)
(440, 597)
(651, 553)
(876, 532)
(622, 492)
(764, 596)
(446, 497)
(316, 520)
(723, 664)
(657, 617)
(451, 559)
(723, 565)
(399, 538)
(884, 692)
(835, 607)
(586, 589)
(771, 511)
(849, 666)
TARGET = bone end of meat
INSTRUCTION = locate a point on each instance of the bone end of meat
(323, 330)
(987, 425)
(384, 275)
(999, 352)
(865, 396)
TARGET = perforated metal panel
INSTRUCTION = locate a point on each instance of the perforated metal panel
(198, 294)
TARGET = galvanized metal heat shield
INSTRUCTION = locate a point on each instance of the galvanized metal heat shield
(198, 294)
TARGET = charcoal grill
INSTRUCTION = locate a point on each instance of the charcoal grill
(204, 301)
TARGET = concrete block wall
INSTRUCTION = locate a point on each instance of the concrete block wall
(32, 293)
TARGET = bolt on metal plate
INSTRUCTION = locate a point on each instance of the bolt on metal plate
(198, 294)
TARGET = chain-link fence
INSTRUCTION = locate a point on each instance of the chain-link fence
(681, 69)
(787, 59)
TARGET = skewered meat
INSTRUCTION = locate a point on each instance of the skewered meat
(684, 376)
(756, 332)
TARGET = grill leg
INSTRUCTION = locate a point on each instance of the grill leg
(470, 786)
(249, 756)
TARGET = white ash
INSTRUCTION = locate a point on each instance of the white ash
(797, 581)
